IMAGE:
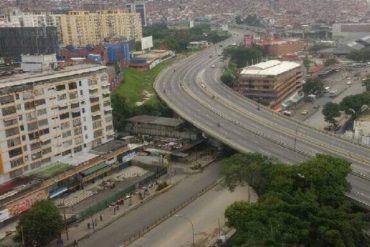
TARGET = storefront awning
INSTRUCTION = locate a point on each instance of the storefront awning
(94, 169)
(57, 192)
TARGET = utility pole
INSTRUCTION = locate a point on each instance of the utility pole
(65, 224)
(295, 137)
(22, 235)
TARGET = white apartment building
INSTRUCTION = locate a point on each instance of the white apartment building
(47, 115)
(18, 18)
(361, 128)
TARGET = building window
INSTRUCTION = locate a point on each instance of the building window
(12, 132)
(60, 87)
(9, 110)
(15, 152)
(10, 122)
(29, 105)
(72, 85)
(14, 142)
(6, 100)
(16, 162)
(64, 116)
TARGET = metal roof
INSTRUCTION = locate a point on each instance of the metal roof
(270, 68)
(170, 122)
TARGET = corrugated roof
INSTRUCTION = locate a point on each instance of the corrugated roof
(171, 122)
(270, 68)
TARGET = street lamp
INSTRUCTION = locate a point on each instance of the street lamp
(295, 137)
(191, 223)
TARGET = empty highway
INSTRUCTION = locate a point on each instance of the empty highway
(192, 89)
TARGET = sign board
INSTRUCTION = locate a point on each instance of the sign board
(26, 203)
(4, 215)
(146, 42)
(248, 41)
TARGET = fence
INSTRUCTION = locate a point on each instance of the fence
(104, 204)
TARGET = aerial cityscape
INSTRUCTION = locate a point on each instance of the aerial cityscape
(172, 123)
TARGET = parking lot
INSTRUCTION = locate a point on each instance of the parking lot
(310, 112)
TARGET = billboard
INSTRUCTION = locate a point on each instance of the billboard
(26, 203)
(146, 43)
(248, 41)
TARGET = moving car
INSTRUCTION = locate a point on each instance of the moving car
(304, 112)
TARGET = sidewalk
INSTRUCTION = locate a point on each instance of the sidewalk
(80, 230)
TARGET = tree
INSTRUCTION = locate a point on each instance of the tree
(306, 63)
(41, 224)
(120, 111)
(353, 104)
(244, 56)
(330, 61)
(366, 83)
(227, 78)
(331, 111)
(301, 205)
(313, 87)
(361, 55)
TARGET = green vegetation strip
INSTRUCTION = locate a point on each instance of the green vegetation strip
(52, 170)
(136, 82)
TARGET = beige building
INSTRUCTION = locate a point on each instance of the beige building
(47, 115)
(81, 28)
(270, 82)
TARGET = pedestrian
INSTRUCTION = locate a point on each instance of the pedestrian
(101, 217)
(96, 221)
(75, 243)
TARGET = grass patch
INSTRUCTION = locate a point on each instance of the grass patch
(136, 82)
(51, 171)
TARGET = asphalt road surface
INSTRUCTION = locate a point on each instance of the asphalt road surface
(119, 231)
(193, 90)
(206, 214)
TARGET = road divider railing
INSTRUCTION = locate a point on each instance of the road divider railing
(163, 218)
(287, 131)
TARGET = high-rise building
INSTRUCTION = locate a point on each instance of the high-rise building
(138, 7)
(270, 82)
(15, 41)
(47, 115)
(18, 18)
(80, 28)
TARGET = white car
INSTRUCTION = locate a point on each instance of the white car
(213, 66)
(349, 83)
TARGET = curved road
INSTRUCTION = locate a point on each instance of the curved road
(192, 89)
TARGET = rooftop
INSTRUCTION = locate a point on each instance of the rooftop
(108, 147)
(270, 68)
(146, 119)
(25, 78)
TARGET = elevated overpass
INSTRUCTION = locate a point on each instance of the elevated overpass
(192, 89)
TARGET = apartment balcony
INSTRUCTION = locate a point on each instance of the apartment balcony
(108, 108)
(96, 113)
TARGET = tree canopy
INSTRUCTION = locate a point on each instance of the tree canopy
(178, 40)
(250, 20)
(39, 225)
(244, 56)
(120, 111)
(361, 55)
(301, 205)
(331, 111)
(353, 104)
(313, 87)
